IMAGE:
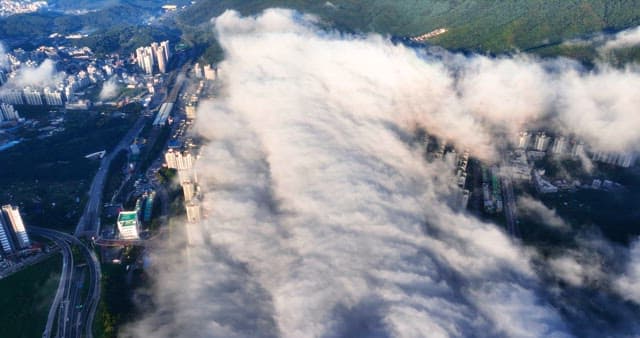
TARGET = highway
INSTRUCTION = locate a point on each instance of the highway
(89, 223)
(63, 285)
(74, 313)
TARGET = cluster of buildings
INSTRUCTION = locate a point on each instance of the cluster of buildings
(12, 7)
(624, 160)
(562, 146)
(183, 162)
(8, 113)
(13, 235)
(192, 103)
(75, 70)
(130, 223)
(533, 146)
(34, 96)
(153, 58)
(206, 72)
(458, 161)
(540, 141)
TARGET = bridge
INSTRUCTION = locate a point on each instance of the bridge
(108, 242)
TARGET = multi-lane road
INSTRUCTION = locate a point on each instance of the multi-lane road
(89, 223)
(63, 285)
(73, 308)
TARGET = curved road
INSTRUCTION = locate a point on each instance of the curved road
(63, 285)
(72, 321)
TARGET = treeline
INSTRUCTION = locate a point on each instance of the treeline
(484, 26)
(126, 39)
(41, 24)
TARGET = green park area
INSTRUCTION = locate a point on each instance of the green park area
(26, 297)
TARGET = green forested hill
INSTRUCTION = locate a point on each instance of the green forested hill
(480, 25)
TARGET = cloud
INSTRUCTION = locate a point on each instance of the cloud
(530, 207)
(578, 268)
(623, 39)
(109, 89)
(41, 76)
(628, 285)
(4, 62)
(606, 42)
(325, 220)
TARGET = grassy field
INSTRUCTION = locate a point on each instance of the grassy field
(25, 298)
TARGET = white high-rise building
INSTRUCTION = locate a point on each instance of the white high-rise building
(5, 241)
(155, 54)
(170, 159)
(12, 216)
(189, 190)
(559, 145)
(32, 96)
(626, 160)
(8, 113)
(12, 96)
(541, 142)
(523, 139)
(197, 71)
(181, 160)
(165, 49)
(193, 212)
(210, 73)
(577, 149)
(145, 58)
(53, 97)
(191, 111)
(160, 57)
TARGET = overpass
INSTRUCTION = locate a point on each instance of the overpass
(73, 320)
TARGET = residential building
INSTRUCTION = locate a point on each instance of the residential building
(53, 97)
(193, 212)
(8, 113)
(32, 96)
(5, 238)
(541, 142)
(14, 221)
(188, 188)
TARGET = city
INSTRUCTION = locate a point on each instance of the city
(319, 169)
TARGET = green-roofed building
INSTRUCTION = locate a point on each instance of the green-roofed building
(128, 224)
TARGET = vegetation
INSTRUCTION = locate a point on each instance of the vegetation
(27, 296)
(100, 4)
(116, 176)
(49, 178)
(126, 39)
(155, 145)
(480, 26)
(115, 303)
(40, 24)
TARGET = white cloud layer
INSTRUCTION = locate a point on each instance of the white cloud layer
(324, 221)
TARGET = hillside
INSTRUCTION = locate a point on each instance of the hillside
(486, 26)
